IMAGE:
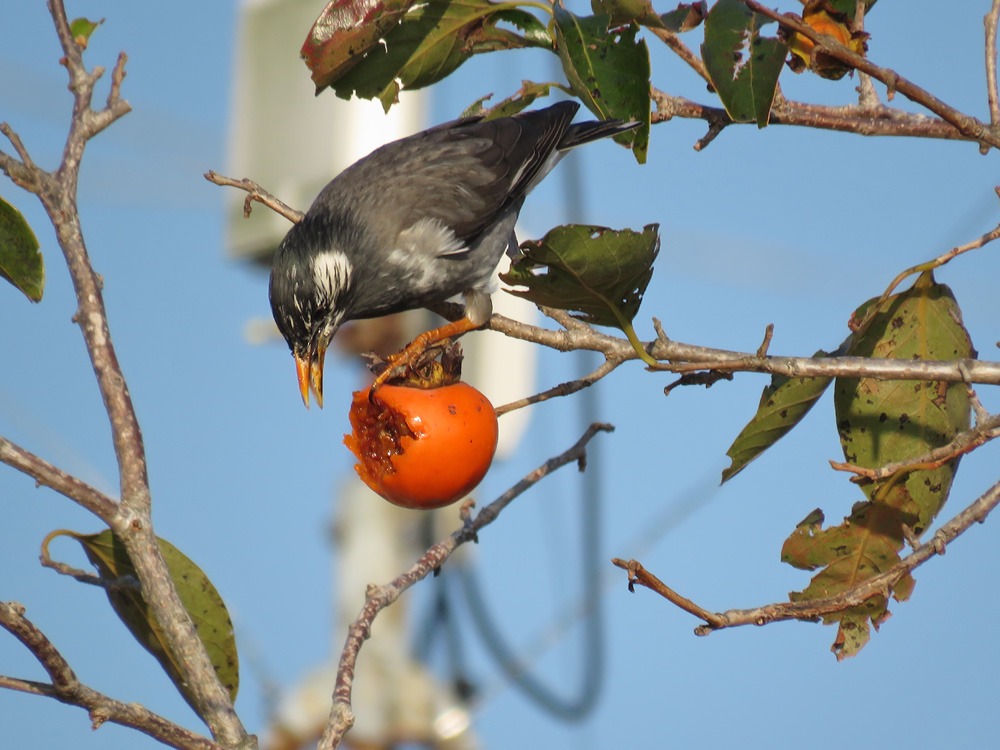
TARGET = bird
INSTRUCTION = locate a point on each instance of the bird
(415, 223)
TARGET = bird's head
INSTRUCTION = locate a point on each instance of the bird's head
(309, 292)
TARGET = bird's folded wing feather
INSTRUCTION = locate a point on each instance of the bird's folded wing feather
(462, 176)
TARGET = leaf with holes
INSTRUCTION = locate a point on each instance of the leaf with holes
(884, 421)
(20, 262)
(199, 597)
(608, 70)
(599, 274)
(743, 65)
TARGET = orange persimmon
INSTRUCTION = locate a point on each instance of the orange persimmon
(422, 447)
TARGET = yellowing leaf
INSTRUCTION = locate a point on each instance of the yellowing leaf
(823, 18)
(883, 422)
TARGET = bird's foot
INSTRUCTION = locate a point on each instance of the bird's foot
(413, 355)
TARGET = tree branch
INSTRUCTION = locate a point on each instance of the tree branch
(812, 609)
(47, 475)
(964, 442)
(968, 126)
(131, 517)
(380, 597)
(256, 193)
(990, 21)
(65, 687)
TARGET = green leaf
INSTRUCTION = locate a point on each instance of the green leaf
(82, 28)
(20, 262)
(608, 71)
(883, 422)
(783, 404)
(599, 274)
(199, 597)
(430, 42)
(743, 65)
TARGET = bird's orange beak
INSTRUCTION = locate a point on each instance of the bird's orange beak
(309, 370)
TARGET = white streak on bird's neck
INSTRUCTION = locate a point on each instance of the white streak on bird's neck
(331, 271)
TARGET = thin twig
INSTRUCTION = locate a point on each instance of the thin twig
(256, 193)
(65, 687)
(929, 265)
(380, 597)
(985, 430)
(680, 49)
(47, 475)
(563, 389)
(812, 609)
(990, 21)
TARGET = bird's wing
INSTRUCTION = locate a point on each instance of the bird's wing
(462, 175)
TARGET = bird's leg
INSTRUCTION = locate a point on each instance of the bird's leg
(415, 349)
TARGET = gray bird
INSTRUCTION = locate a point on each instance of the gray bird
(412, 224)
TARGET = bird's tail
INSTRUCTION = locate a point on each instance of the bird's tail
(584, 132)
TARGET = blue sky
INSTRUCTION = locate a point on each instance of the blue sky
(776, 226)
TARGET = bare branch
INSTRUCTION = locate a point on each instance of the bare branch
(380, 597)
(868, 121)
(563, 389)
(47, 475)
(986, 430)
(812, 609)
(968, 126)
(65, 687)
(990, 21)
(256, 193)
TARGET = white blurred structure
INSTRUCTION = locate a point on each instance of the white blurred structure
(292, 143)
